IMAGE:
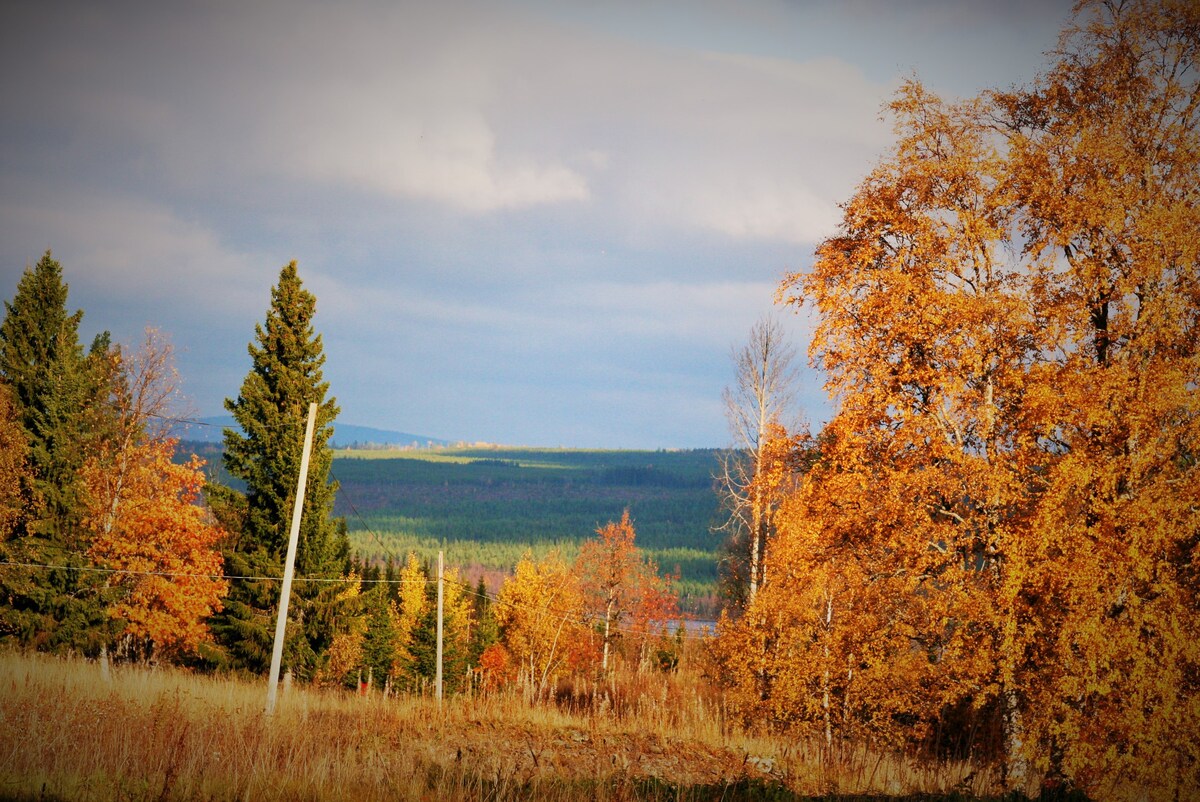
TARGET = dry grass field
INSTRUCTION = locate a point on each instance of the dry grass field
(69, 733)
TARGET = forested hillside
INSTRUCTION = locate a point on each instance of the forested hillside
(486, 506)
(489, 505)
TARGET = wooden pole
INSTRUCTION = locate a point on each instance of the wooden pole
(289, 566)
(439, 628)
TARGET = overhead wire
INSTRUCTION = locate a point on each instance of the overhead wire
(99, 569)
(547, 610)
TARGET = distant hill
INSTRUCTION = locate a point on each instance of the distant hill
(345, 435)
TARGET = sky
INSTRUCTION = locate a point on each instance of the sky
(529, 222)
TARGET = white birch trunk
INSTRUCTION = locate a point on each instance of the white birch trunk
(825, 677)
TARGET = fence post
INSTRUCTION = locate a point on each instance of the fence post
(439, 628)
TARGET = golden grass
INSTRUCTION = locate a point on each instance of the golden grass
(165, 734)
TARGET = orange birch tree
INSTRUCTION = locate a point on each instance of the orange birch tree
(540, 613)
(1105, 156)
(1003, 515)
(622, 589)
(143, 514)
(16, 476)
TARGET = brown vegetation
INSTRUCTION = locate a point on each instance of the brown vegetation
(165, 734)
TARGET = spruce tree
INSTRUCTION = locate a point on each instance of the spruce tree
(59, 396)
(422, 669)
(271, 410)
(486, 630)
(379, 638)
(43, 363)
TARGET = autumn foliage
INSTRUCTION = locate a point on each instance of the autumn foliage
(162, 546)
(15, 473)
(540, 613)
(999, 532)
(623, 592)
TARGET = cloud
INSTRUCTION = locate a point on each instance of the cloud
(505, 210)
(479, 108)
(126, 248)
(385, 143)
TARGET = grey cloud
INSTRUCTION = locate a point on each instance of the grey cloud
(526, 222)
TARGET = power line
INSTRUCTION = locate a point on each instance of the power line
(184, 574)
(341, 489)
(189, 421)
(543, 611)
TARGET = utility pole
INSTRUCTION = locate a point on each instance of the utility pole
(439, 628)
(285, 593)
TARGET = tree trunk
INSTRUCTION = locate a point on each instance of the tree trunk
(825, 677)
(1016, 766)
(607, 631)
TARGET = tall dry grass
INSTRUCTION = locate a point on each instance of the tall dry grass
(163, 734)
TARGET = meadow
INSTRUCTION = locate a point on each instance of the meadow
(70, 730)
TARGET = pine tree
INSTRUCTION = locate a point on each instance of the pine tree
(285, 377)
(379, 638)
(421, 670)
(271, 410)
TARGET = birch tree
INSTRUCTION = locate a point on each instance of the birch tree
(765, 377)
(540, 613)
(1010, 327)
(621, 587)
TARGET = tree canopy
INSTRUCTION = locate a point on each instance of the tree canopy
(1001, 521)
(58, 400)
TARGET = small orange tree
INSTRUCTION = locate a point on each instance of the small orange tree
(163, 546)
(622, 591)
(142, 512)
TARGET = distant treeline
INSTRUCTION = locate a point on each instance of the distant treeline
(486, 507)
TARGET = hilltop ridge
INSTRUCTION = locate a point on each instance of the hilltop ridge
(345, 435)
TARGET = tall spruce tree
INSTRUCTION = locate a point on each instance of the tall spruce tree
(271, 410)
(59, 396)
(45, 367)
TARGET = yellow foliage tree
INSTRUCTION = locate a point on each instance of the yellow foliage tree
(346, 648)
(407, 612)
(540, 613)
(1002, 517)
(457, 621)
